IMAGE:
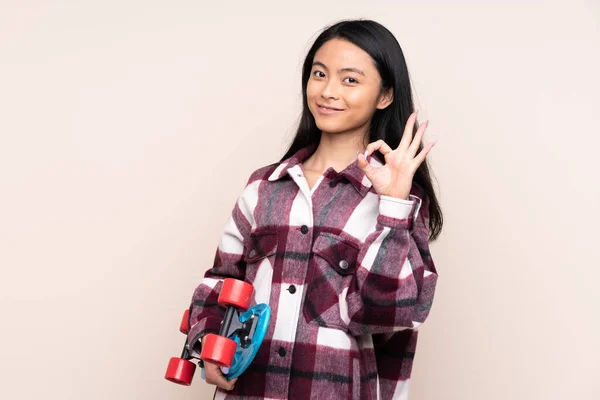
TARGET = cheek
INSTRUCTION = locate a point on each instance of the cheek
(361, 100)
(312, 89)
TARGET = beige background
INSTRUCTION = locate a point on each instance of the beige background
(128, 129)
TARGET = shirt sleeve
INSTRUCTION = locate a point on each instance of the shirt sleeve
(395, 277)
(394, 354)
(204, 311)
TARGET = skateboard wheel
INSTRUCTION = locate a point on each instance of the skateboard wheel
(236, 293)
(184, 327)
(180, 371)
(218, 349)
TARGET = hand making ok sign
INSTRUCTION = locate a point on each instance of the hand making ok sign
(395, 177)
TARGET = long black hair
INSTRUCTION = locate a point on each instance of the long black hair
(387, 124)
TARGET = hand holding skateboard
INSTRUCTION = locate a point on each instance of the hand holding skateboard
(235, 346)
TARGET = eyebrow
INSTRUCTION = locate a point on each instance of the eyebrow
(348, 69)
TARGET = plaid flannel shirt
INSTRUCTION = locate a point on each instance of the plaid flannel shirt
(347, 273)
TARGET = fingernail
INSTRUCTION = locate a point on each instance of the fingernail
(365, 155)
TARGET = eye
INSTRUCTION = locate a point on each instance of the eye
(316, 73)
(352, 80)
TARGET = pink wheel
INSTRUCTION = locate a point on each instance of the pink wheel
(236, 293)
(184, 327)
(180, 371)
(218, 349)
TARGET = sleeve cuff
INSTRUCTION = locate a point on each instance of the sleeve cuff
(398, 213)
(207, 325)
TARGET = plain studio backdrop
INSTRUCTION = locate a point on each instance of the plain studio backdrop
(128, 129)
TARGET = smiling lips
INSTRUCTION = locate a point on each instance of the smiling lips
(328, 109)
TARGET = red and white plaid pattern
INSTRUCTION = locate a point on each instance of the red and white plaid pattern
(347, 273)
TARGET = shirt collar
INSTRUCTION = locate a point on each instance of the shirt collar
(352, 172)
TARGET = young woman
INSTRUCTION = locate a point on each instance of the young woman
(334, 236)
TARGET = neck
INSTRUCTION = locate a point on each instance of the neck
(337, 150)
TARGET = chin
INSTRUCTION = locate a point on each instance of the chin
(328, 124)
(329, 127)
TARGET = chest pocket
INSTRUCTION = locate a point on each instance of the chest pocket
(260, 245)
(332, 272)
(259, 255)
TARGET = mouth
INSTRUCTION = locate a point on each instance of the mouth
(328, 110)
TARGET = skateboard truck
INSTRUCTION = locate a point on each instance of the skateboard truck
(231, 325)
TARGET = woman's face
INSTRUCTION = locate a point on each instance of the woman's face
(344, 88)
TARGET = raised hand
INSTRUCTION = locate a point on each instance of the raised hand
(395, 177)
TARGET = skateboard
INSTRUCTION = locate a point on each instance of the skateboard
(241, 334)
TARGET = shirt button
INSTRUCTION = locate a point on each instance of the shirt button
(343, 264)
(304, 229)
(252, 253)
(281, 352)
(292, 289)
(332, 183)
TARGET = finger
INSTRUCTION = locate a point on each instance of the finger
(231, 384)
(214, 376)
(414, 146)
(380, 145)
(421, 157)
(362, 162)
(223, 383)
(408, 130)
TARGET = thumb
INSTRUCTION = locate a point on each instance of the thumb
(364, 164)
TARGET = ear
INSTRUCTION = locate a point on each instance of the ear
(385, 99)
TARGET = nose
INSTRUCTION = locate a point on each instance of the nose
(330, 90)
